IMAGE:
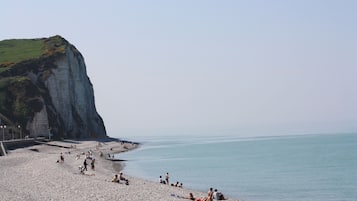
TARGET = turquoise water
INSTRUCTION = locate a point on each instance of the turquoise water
(308, 167)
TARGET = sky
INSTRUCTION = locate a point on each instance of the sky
(246, 68)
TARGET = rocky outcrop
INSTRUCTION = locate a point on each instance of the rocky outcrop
(51, 93)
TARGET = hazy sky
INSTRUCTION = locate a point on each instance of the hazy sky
(208, 67)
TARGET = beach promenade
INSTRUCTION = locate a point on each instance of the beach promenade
(36, 173)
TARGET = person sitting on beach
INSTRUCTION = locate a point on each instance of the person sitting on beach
(190, 197)
(115, 179)
(161, 180)
(215, 196)
(122, 178)
(180, 185)
(218, 195)
(81, 169)
(201, 199)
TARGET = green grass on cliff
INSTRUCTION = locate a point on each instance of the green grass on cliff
(14, 51)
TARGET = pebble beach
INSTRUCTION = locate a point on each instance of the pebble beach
(34, 174)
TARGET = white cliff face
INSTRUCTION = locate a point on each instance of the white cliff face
(72, 96)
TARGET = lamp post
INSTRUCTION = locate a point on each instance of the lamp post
(3, 131)
(20, 131)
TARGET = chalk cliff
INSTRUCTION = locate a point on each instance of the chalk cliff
(45, 89)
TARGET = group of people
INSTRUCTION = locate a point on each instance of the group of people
(166, 181)
(178, 184)
(85, 164)
(89, 156)
(212, 195)
(117, 179)
(61, 160)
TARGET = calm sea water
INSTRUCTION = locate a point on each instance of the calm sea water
(309, 167)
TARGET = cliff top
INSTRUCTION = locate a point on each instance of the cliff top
(17, 50)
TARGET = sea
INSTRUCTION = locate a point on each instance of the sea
(316, 167)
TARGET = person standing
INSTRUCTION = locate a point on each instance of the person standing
(85, 164)
(167, 178)
(92, 163)
(210, 195)
(62, 157)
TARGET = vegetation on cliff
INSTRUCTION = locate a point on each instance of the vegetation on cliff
(19, 50)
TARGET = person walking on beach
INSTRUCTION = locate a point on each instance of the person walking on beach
(62, 158)
(85, 164)
(167, 178)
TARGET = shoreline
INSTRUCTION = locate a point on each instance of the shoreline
(31, 173)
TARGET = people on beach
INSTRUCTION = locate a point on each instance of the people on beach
(201, 199)
(92, 163)
(122, 178)
(85, 165)
(167, 178)
(115, 179)
(210, 195)
(61, 160)
(190, 197)
(62, 157)
(90, 155)
(81, 169)
(161, 180)
(217, 195)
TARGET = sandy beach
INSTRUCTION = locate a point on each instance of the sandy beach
(33, 174)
